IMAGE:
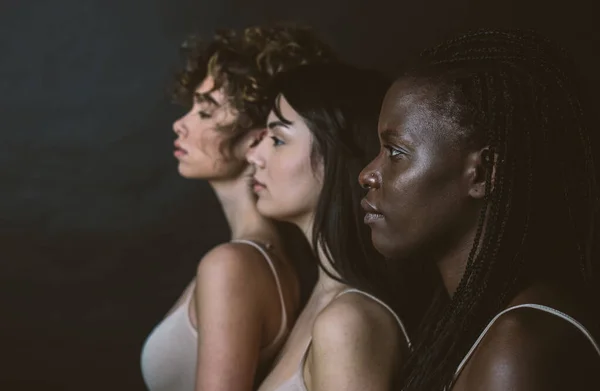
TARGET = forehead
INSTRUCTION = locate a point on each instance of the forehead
(205, 89)
(297, 125)
(405, 97)
(286, 111)
(411, 107)
(292, 124)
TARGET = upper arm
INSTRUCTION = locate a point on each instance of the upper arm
(356, 346)
(230, 319)
(531, 351)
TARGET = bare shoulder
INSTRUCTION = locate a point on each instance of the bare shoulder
(231, 316)
(233, 267)
(353, 317)
(232, 259)
(356, 345)
(528, 349)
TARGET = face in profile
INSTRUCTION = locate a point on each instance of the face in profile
(418, 201)
(200, 135)
(287, 182)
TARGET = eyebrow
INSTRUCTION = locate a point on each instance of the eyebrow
(389, 134)
(278, 124)
(205, 97)
(282, 122)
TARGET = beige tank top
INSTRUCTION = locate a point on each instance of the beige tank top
(169, 355)
(296, 382)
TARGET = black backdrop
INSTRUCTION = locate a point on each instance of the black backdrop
(98, 235)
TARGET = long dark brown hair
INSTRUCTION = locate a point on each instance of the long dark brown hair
(340, 105)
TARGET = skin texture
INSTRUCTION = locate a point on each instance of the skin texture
(200, 137)
(235, 304)
(356, 343)
(531, 350)
(355, 346)
(230, 315)
(428, 183)
(291, 187)
(421, 163)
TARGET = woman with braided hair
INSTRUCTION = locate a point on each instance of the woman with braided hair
(486, 171)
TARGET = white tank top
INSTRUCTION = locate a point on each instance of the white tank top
(539, 307)
(169, 355)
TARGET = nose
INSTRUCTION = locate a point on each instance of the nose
(179, 127)
(254, 155)
(370, 178)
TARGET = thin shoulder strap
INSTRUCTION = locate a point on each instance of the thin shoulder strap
(544, 308)
(354, 290)
(283, 326)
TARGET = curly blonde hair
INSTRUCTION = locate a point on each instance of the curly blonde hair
(242, 63)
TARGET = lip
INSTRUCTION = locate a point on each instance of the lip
(372, 214)
(257, 185)
(179, 152)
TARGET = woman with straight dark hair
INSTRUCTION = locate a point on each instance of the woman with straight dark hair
(486, 172)
(320, 134)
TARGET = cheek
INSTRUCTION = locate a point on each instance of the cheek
(405, 205)
(418, 186)
(206, 156)
(205, 141)
(292, 177)
(426, 204)
(293, 186)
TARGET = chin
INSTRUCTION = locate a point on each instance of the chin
(263, 208)
(266, 209)
(383, 245)
(189, 172)
(186, 174)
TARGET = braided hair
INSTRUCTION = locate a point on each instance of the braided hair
(513, 90)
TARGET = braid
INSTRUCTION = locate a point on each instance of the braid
(516, 86)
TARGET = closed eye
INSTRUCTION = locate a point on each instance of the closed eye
(204, 115)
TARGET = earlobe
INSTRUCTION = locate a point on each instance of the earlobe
(481, 172)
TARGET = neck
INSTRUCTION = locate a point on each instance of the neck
(453, 264)
(325, 282)
(240, 210)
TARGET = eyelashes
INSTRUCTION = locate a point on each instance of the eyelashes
(394, 152)
(276, 141)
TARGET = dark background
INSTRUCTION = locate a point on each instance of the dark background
(98, 234)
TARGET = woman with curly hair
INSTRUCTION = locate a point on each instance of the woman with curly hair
(229, 324)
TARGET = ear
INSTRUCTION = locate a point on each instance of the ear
(481, 165)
